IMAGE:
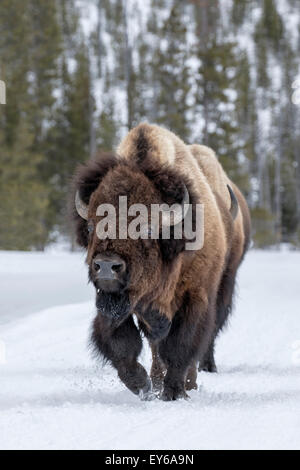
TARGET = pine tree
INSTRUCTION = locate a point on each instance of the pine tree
(216, 95)
(68, 140)
(117, 19)
(183, 71)
(29, 70)
(108, 129)
(289, 132)
(171, 74)
(240, 8)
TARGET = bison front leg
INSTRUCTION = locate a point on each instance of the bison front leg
(190, 334)
(207, 364)
(121, 346)
(191, 377)
(157, 370)
(155, 326)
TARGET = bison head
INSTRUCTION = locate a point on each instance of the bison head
(130, 275)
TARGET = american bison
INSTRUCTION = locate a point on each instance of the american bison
(178, 298)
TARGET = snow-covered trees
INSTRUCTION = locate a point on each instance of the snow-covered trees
(79, 74)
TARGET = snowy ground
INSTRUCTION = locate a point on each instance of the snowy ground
(52, 394)
(30, 282)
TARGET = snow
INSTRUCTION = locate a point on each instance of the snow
(58, 278)
(54, 396)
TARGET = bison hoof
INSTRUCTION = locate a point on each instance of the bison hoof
(135, 378)
(209, 367)
(171, 394)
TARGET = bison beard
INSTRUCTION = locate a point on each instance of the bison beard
(114, 306)
(181, 299)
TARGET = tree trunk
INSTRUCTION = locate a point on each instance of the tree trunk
(92, 131)
(127, 68)
(278, 199)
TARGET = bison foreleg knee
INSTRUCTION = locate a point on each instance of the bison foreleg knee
(154, 324)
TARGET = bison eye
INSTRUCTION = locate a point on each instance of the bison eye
(90, 227)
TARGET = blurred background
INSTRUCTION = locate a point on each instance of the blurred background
(79, 74)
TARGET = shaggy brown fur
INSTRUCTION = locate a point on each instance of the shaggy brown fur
(181, 299)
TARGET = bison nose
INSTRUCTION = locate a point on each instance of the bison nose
(109, 269)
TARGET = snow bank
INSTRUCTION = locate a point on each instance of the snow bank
(53, 396)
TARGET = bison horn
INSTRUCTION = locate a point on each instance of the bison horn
(234, 207)
(174, 217)
(81, 207)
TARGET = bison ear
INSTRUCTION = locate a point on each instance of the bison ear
(86, 180)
